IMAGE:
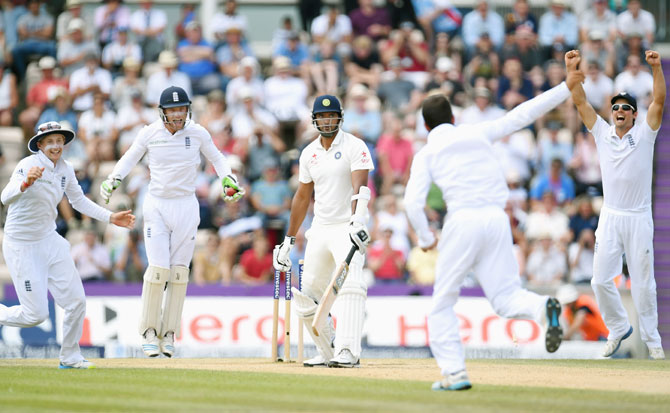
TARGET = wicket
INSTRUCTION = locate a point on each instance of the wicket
(287, 317)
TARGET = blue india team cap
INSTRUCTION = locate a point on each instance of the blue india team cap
(327, 103)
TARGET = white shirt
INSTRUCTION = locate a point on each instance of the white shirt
(336, 33)
(628, 24)
(174, 160)
(91, 262)
(160, 81)
(330, 170)
(221, 22)
(640, 86)
(116, 52)
(461, 161)
(157, 19)
(97, 127)
(598, 90)
(472, 114)
(286, 97)
(32, 214)
(626, 165)
(82, 78)
(237, 85)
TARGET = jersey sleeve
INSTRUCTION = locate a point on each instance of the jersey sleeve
(12, 190)
(600, 129)
(360, 156)
(80, 202)
(416, 193)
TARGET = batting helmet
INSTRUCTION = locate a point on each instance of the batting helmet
(49, 128)
(173, 97)
(327, 104)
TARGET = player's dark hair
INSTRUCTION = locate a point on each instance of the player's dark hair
(436, 110)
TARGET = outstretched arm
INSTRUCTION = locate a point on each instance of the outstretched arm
(574, 81)
(655, 111)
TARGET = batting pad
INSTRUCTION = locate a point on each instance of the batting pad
(152, 297)
(351, 314)
(305, 307)
(174, 299)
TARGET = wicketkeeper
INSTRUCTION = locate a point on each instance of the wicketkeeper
(173, 145)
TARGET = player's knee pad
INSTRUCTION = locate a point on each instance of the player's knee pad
(351, 315)
(174, 299)
(305, 306)
(152, 297)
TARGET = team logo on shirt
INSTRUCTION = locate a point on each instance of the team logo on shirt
(29, 288)
(62, 183)
(631, 142)
(187, 142)
(313, 160)
(338, 155)
(365, 157)
(148, 232)
(20, 172)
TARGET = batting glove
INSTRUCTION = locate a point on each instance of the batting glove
(108, 186)
(359, 235)
(280, 256)
(232, 191)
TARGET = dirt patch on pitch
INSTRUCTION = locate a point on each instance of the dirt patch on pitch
(498, 372)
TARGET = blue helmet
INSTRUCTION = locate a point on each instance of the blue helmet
(173, 97)
(326, 104)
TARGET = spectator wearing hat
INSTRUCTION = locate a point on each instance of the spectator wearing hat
(438, 16)
(74, 47)
(148, 24)
(108, 18)
(599, 18)
(197, 61)
(131, 118)
(558, 28)
(369, 20)
(230, 54)
(37, 97)
(482, 110)
(523, 46)
(166, 77)
(222, 21)
(518, 17)
(364, 64)
(72, 11)
(637, 20)
(635, 81)
(479, 21)
(582, 314)
(35, 30)
(396, 92)
(128, 83)
(247, 77)
(359, 118)
(118, 50)
(88, 80)
(9, 97)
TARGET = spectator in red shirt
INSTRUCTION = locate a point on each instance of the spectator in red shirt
(38, 95)
(256, 263)
(394, 155)
(387, 264)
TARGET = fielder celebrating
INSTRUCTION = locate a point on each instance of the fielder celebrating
(626, 154)
(38, 258)
(335, 168)
(476, 234)
(171, 215)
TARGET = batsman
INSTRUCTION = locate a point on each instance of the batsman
(334, 167)
(173, 145)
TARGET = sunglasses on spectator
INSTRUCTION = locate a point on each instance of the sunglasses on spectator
(624, 106)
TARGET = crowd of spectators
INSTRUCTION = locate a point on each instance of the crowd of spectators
(102, 78)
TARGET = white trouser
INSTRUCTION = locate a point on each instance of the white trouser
(170, 225)
(618, 233)
(38, 266)
(327, 247)
(480, 240)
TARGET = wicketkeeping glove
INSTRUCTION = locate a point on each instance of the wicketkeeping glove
(359, 235)
(232, 191)
(280, 256)
(108, 186)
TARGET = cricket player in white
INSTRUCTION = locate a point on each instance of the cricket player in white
(173, 145)
(476, 234)
(37, 257)
(626, 154)
(334, 167)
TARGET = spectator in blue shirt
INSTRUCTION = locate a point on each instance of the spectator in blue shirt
(434, 18)
(558, 27)
(196, 59)
(556, 181)
(271, 196)
(482, 20)
(295, 50)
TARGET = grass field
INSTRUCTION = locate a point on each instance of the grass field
(243, 385)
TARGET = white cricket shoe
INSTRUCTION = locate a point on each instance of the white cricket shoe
(613, 345)
(656, 353)
(167, 344)
(82, 364)
(150, 343)
(344, 359)
(317, 361)
(454, 381)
